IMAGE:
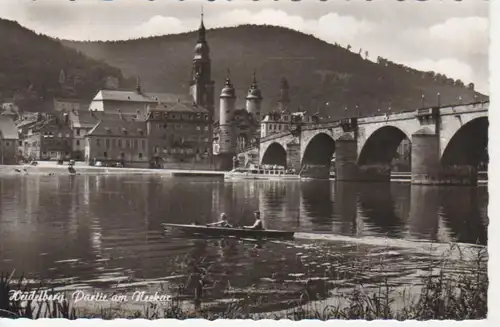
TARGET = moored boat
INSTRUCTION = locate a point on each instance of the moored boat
(264, 173)
(236, 232)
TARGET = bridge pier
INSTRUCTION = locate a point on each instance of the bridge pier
(426, 168)
(347, 169)
(223, 161)
(293, 156)
(346, 156)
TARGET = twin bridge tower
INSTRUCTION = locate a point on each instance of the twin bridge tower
(448, 146)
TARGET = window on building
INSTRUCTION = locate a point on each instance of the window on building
(165, 126)
(7, 143)
(143, 144)
(122, 155)
(127, 144)
(135, 144)
(198, 128)
(105, 154)
(98, 142)
(20, 143)
(119, 143)
(78, 132)
(108, 143)
(77, 142)
(113, 143)
(140, 155)
(206, 128)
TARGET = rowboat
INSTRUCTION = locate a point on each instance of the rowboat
(235, 232)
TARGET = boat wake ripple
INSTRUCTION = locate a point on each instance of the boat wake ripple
(458, 251)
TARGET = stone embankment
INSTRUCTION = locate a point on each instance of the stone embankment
(80, 169)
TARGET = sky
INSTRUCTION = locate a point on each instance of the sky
(447, 36)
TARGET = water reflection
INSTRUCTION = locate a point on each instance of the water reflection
(345, 208)
(99, 230)
(423, 220)
(461, 211)
(317, 201)
(377, 204)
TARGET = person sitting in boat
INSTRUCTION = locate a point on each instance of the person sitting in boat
(222, 223)
(258, 222)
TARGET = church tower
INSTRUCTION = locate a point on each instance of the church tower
(284, 98)
(202, 86)
(227, 140)
(254, 100)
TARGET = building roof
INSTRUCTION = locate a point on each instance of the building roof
(179, 106)
(119, 125)
(26, 123)
(134, 96)
(83, 118)
(8, 128)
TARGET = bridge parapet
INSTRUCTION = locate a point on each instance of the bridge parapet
(465, 109)
(274, 136)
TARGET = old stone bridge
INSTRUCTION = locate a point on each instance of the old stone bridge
(447, 145)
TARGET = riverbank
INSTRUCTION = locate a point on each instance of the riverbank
(460, 296)
(51, 168)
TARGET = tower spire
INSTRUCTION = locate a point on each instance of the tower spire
(201, 29)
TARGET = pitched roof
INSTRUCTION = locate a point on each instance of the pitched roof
(8, 128)
(25, 123)
(119, 125)
(83, 118)
(134, 96)
(178, 106)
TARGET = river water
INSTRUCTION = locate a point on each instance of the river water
(104, 233)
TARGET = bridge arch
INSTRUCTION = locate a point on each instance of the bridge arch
(469, 144)
(275, 154)
(380, 148)
(319, 150)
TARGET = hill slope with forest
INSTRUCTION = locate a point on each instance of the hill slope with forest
(323, 77)
(35, 69)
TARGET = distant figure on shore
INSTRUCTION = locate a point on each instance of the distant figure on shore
(222, 223)
(258, 222)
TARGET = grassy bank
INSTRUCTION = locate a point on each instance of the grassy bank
(458, 296)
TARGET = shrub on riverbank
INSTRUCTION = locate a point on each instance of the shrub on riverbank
(457, 296)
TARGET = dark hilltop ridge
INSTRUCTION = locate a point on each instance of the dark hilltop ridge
(323, 77)
(35, 69)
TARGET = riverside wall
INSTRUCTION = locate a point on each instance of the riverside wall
(91, 170)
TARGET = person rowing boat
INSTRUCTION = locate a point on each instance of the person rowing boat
(222, 223)
(257, 224)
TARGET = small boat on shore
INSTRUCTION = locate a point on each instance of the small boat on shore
(263, 173)
(235, 231)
